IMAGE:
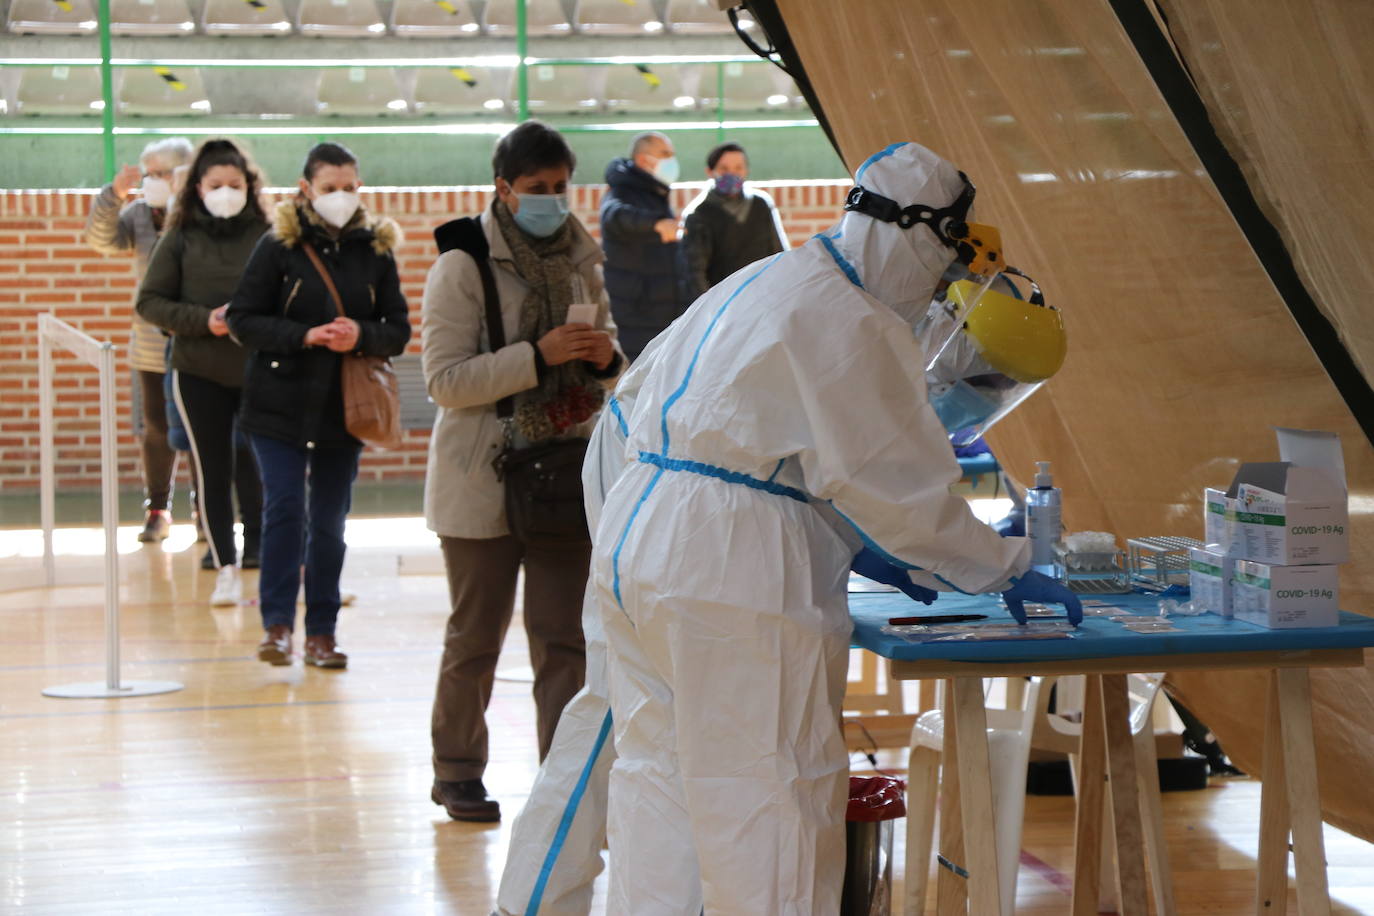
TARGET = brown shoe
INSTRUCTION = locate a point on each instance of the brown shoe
(275, 648)
(466, 800)
(322, 652)
(157, 526)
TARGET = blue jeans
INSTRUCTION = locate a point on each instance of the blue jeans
(299, 519)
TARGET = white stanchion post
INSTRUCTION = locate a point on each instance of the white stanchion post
(101, 355)
(46, 473)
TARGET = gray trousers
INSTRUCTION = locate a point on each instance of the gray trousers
(481, 585)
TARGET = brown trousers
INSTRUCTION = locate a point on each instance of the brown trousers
(481, 587)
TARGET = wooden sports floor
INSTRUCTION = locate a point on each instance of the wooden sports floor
(286, 790)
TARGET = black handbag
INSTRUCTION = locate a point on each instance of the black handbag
(543, 483)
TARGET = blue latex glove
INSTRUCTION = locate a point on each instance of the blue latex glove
(1034, 586)
(871, 566)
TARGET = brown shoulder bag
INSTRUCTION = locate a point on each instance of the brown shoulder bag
(371, 395)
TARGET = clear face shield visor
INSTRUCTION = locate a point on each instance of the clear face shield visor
(991, 343)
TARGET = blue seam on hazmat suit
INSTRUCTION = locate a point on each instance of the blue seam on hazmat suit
(880, 154)
(565, 824)
(672, 399)
(619, 417)
(889, 558)
(840, 261)
(696, 354)
(711, 470)
(777, 470)
(620, 544)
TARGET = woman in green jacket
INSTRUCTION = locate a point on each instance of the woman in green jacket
(190, 279)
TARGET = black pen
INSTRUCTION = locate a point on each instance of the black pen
(936, 618)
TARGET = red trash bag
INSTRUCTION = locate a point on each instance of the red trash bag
(876, 798)
(874, 803)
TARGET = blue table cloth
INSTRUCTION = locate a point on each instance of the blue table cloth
(1098, 637)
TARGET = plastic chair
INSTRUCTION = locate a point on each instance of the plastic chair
(1054, 732)
(1009, 741)
(542, 17)
(564, 90)
(235, 17)
(162, 91)
(432, 19)
(697, 17)
(158, 17)
(359, 91)
(58, 91)
(462, 90)
(617, 17)
(340, 19)
(47, 18)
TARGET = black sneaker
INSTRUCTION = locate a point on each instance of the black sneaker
(466, 800)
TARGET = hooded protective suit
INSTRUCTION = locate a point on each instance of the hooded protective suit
(783, 422)
(555, 846)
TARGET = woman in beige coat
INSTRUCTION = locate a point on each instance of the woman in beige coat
(559, 374)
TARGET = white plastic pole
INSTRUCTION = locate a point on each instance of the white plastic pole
(109, 510)
(52, 331)
(45, 446)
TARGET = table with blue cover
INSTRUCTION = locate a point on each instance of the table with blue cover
(1105, 651)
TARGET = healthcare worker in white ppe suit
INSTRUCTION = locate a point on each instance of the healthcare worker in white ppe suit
(555, 847)
(782, 425)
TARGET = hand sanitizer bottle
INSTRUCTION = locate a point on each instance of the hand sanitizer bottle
(1042, 519)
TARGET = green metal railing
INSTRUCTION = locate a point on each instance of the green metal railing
(521, 61)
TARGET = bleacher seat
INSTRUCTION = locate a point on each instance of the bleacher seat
(432, 18)
(161, 91)
(542, 17)
(58, 91)
(150, 17)
(785, 93)
(697, 16)
(74, 17)
(244, 17)
(749, 87)
(461, 91)
(632, 17)
(359, 91)
(565, 90)
(340, 19)
(630, 88)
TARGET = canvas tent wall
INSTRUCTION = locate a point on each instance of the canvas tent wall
(1184, 349)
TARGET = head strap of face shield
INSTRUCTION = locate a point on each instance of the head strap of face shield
(948, 223)
(1036, 297)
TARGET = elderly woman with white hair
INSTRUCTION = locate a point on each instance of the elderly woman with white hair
(117, 225)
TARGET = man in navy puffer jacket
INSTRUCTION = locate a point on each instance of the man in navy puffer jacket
(639, 236)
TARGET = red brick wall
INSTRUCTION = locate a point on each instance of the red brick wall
(45, 267)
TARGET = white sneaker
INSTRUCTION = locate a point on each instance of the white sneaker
(228, 589)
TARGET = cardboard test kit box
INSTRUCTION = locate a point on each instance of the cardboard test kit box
(1209, 578)
(1280, 597)
(1291, 512)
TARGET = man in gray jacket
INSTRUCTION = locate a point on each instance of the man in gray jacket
(117, 225)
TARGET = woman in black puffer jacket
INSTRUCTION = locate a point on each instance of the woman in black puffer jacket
(284, 314)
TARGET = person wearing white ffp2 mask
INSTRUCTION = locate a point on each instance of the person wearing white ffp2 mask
(192, 274)
(299, 328)
(121, 222)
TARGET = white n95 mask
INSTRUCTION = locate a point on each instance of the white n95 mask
(225, 202)
(156, 192)
(337, 207)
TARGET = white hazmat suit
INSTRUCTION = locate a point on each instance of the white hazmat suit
(555, 845)
(783, 419)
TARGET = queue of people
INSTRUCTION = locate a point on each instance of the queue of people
(666, 387)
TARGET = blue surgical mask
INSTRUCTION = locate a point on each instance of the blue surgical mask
(541, 215)
(667, 170)
(729, 185)
(961, 406)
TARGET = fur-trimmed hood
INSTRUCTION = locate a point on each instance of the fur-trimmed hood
(286, 226)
